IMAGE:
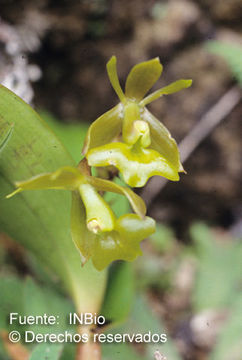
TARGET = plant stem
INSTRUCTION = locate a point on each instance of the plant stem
(88, 350)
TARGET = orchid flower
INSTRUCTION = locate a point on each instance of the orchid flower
(96, 232)
(147, 148)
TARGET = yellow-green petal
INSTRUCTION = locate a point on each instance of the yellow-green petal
(104, 129)
(136, 167)
(136, 201)
(162, 141)
(113, 77)
(141, 78)
(99, 216)
(65, 178)
(167, 90)
(122, 243)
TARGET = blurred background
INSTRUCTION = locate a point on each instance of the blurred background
(53, 54)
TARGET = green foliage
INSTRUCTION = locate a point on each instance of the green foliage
(9, 303)
(219, 269)
(119, 352)
(231, 53)
(26, 297)
(120, 293)
(217, 286)
(163, 239)
(39, 221)
(72, 136)
(5, 134)
(47, 352)
(228, 345)
(39, 300)
(142, 320)
(10, 287)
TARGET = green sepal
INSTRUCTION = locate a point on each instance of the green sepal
(141, 78)
(113, 77)
(167, 90)
(65, 178)
(104, 129)
(123, 242)
(136, 165)
(162, 141)
(136, 201)
(70, 178)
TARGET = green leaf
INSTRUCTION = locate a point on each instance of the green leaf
(120, 293)
(47, 352)
(113, 77)
(26, 297)
(71, 135)
(141, 321)
(5, 135)
(228, 344)
(40, 220)
(69, 352)
(11, 300)
(119, 352)
(141, 78)
(145, 321)
(40, 300)
(104, 129)
(167, 90)
(162, 141)
(231, 53)
(219, 270)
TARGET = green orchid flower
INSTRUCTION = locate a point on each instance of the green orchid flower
(143, 135)
(122, 243)
(96, 232)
